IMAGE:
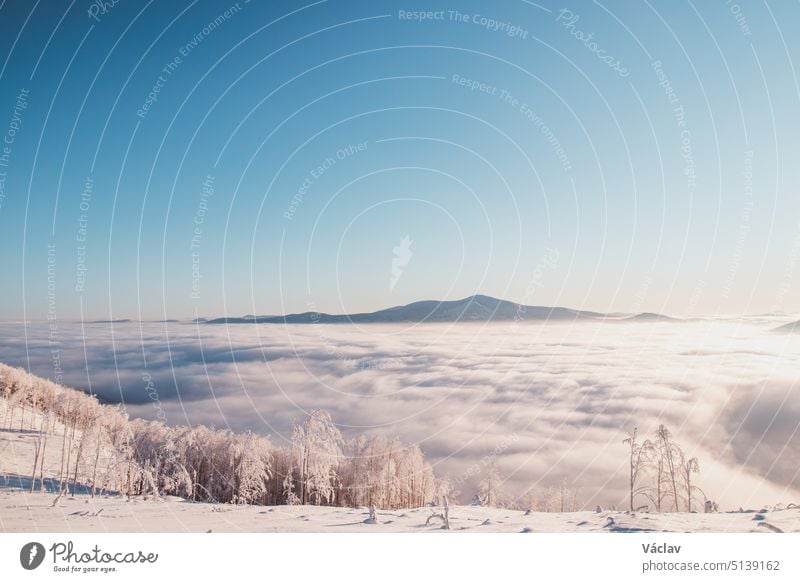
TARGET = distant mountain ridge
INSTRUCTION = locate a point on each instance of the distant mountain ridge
(646, 316)
(793, 327)
(477, 308)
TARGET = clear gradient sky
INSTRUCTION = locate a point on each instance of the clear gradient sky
(166, 159)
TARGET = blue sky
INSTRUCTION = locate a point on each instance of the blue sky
(523, 158)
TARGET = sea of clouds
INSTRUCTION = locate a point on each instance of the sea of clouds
(547, 402)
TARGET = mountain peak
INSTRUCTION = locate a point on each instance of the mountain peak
(475, 308)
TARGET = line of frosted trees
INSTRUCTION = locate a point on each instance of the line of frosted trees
(102, 450)
(661, 472)
(658, 471)
(491, 493)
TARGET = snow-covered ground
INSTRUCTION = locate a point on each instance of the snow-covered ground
(21, 511)
(24, 512)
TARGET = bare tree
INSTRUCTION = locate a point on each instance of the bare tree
(490, 494)
(528, 501)
(639, 455)
(567, 495)
(687, 467)
(39, 449)
(668, 454)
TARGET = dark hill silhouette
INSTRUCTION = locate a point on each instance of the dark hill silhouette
(477, 308)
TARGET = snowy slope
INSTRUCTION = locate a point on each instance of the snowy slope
(21, 511)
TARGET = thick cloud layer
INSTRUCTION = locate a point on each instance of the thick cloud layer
(548, 401)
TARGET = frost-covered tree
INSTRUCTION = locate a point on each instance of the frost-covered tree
(318, 446)
(103, 450)
(387, 473)
(639, 454)
(669, 454)
(489, 493)
(251, 467)
(528, 501)
(687, 468)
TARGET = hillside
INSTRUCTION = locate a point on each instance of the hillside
(136, 499)
(21, 511)
(75, 444)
